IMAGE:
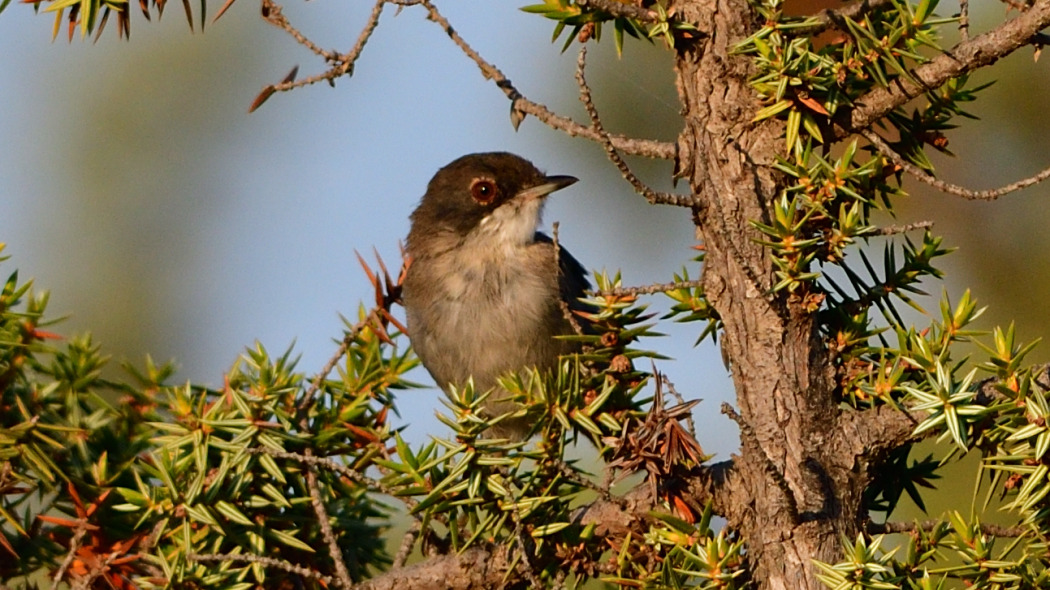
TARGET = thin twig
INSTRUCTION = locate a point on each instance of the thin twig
(953, 189)
(566, 311)
(650, 195)
(312, 486)
(651, 289)
(407, 542)
(890, 230)
(993, 530)
(273, 14)
(100, 568)
(520, 104)
(348, 339)
(331, 465)
(661, 377)
(344, 62)
(74, 547)
(566, 471)
(350, 58)
(265, 561)
(342, 573)
(964, 20)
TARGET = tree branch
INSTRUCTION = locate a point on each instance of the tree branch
(874, 432)
(351, 474)
(480, 567)
(521, 106)
(334, 551)
(651, 289)
(890, 230)
(986, 195)
(265, 561)
(74, 547)
(965, 57)
(640, 187)
(992, 530)
(344, 63)
(964, 20)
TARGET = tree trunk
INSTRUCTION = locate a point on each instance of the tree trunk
(783, 378)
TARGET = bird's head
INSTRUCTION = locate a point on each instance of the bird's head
(494, 196)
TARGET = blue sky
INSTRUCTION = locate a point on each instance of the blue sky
(165, 219)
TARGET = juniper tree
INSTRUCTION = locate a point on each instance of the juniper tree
(797, 134)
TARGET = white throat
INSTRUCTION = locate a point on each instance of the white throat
(511, 225)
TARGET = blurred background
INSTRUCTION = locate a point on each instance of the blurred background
(166, 220)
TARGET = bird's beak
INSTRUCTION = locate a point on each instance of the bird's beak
(542, 190)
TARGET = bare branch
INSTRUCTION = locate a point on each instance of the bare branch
(992, 530)
(273, 14)
(953, 189)
(662, 378)
(407, 542)
(965, 57)
(566, 311)
(344, 62)
(520, 105)
(314, 489)
(640, 187)
(74, 547)
(890, 230)
(964, 19)
(342, 573)
(331, 465)
(650, 289)
(873, 432)
(480, 567)
(315, 386)
(348, 60)
(523, 106)
(265, 561)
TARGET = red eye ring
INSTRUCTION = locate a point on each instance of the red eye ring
(484, 190)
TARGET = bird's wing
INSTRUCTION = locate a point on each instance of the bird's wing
(572, 280)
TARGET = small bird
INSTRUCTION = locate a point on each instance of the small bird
(485, 292)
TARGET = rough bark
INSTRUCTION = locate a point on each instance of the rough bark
(801, 494)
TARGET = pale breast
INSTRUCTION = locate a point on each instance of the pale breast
(484, 312)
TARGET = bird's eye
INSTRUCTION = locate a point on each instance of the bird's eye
(483, 190)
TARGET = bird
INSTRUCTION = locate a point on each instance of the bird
(485, 292)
